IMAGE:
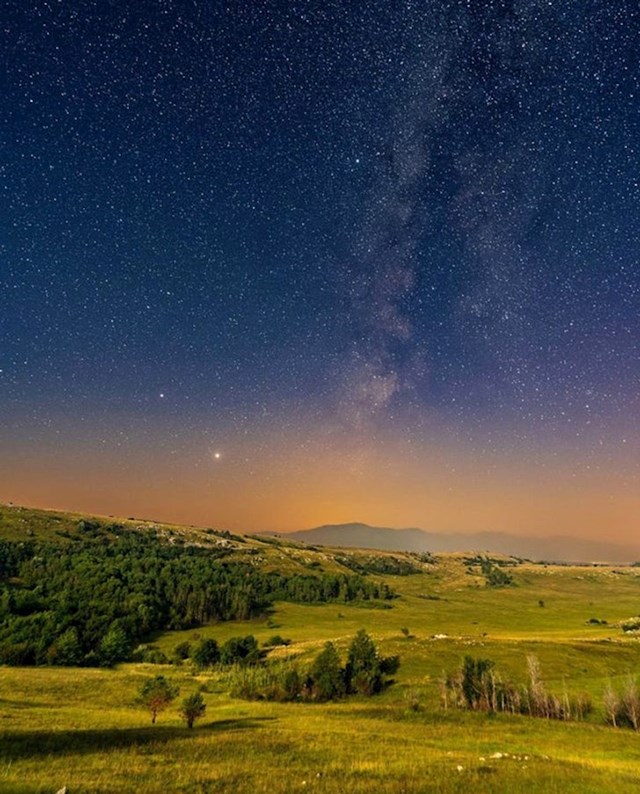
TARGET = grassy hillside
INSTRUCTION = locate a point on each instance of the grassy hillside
(83, 728)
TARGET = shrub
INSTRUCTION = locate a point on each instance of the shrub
(496, 577)
(206, 653)
(276, 640)
(149, 654)
(240, 650)
(193, 708)
(182, 651)
(389, 665)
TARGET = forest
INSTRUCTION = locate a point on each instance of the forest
(91, 601)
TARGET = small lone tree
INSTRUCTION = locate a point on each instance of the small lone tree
(156, 694)
(193, 707)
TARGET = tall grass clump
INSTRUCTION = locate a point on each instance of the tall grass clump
(281, 681)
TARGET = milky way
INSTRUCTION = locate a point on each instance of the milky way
(388, 240)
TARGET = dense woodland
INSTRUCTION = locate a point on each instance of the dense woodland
(93, 600)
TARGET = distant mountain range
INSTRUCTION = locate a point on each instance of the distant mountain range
(557, 548)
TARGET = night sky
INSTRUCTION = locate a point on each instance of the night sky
(267, 265)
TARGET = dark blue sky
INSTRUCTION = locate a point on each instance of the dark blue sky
(354, 210)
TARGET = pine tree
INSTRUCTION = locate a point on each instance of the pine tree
(327, 674)
(364, 672)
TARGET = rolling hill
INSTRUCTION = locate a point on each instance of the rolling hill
(70, 711)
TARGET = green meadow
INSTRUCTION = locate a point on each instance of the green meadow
(84, 729)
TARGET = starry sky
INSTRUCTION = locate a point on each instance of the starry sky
(266, 265)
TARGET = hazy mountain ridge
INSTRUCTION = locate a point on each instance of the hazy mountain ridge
(558, 547)
(21, 523)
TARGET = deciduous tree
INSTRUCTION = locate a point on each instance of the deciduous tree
(157, 694)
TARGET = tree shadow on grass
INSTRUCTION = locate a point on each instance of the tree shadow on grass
(24, 704)
(30, 744)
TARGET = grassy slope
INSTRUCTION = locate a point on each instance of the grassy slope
(83, 728)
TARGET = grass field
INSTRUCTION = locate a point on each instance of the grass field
(83, 728)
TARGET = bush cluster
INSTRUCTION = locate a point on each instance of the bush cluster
(494, 575)
(327, 678)
(378, 564)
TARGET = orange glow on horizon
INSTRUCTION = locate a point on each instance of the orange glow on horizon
(274, 481)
